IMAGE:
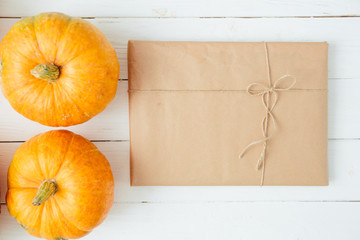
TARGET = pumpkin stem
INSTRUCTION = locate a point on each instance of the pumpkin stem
(46, 190)
(48, 72)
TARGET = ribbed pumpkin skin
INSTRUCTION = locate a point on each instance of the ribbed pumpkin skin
(89, 69)
(83, 176)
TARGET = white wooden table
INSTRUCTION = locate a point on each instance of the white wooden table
(331, 212)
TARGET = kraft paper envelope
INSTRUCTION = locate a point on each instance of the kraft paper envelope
(195, 106)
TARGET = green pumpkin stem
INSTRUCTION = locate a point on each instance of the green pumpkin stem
(48, 72)
(46, 190)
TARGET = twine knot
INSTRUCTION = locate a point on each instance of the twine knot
(259, 89)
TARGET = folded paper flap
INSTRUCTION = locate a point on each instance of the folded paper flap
(224, 65)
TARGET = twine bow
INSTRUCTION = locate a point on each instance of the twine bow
(259, 89)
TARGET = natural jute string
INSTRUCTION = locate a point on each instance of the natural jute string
(265, 93)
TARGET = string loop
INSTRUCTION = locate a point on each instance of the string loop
(265, 92)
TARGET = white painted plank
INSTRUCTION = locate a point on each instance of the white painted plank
(113, 123)
(213, 212)
(215, 221)
(182, 8)
(344, 171)
(344, 108)
(344, 42)
(340, 33)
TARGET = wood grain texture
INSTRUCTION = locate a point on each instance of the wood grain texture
(183, 8)
(344, 171)
(215, 221)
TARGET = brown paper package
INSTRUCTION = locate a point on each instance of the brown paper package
(191, 116)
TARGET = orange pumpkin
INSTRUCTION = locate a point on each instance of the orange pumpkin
(60, 186)
(57, 70)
